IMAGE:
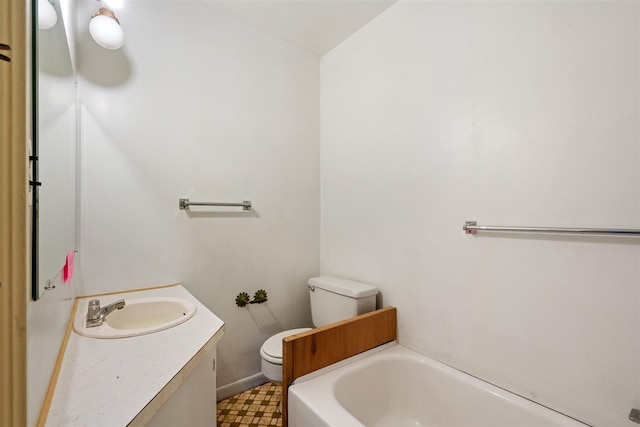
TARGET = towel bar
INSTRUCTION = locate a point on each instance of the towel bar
(185, 203)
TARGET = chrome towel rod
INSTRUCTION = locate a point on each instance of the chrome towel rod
(185, 203)
(471, 227)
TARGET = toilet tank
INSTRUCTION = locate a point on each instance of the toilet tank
(334, 299)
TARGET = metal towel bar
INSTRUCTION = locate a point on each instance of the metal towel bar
(471, 227)
(185, 203)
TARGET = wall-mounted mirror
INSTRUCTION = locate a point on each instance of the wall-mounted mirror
(54, 149)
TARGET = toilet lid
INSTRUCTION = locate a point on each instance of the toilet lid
(273, 346)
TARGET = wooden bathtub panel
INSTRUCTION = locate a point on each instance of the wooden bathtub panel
(318, 348)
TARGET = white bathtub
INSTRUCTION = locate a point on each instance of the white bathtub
(394, 386)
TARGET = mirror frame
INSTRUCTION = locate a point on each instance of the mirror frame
(33, 156)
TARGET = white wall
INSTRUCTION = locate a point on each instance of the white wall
(47, 321)
(197, 105)
(508, 113)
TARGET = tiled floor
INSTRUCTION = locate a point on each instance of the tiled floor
(253, 408)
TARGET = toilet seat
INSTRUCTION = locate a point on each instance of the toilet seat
(271, 350)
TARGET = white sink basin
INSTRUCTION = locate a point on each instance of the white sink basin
(139, 316)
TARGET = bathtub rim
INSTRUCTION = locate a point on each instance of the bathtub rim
(466, 377)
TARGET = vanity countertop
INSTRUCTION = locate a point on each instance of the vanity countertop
(117, 382)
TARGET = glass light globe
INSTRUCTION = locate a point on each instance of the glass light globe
(105, 30)
(47, 16)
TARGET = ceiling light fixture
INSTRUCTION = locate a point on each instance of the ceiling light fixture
(47, 16)
(105, 29)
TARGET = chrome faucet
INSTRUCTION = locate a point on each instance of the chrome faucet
(96, 315)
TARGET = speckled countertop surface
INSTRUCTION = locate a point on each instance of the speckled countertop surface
(108, 382)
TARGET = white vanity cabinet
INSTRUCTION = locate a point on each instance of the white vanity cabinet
(193, 404)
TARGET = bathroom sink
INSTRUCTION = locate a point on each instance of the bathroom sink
(139, 316)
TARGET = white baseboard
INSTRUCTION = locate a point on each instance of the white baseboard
(239, 386)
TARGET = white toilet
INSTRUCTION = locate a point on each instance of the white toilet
(332, 299)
